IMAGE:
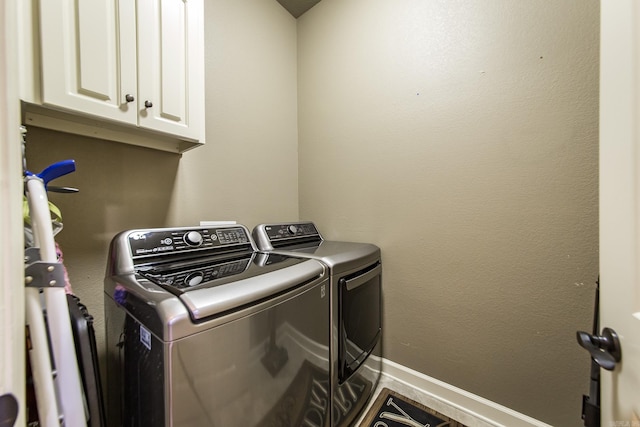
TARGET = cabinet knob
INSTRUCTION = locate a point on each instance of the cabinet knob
(129, 98)
(148, 104)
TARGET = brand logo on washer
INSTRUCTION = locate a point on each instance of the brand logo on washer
(323, 291)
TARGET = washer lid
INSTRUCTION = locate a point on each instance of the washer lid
(221, 298)
(340, 257)
(215, 286)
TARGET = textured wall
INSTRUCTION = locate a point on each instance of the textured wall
(251, 126)
(249, 169)
(461, 137)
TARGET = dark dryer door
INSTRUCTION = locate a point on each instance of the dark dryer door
(359, 318)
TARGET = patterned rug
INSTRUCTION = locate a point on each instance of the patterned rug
(394, 410)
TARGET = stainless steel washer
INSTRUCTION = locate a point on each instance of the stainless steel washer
(355, 271)
(203, 330)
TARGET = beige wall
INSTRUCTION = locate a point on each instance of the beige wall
(247, 171)
(461, 137)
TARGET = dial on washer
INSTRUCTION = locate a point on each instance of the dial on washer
(194, 279)
(193, 238)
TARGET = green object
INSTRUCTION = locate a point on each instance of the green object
(56, 215)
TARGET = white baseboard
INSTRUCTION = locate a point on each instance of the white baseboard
(475, 406)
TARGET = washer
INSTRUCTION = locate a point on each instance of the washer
(355, 272)
(203, 330)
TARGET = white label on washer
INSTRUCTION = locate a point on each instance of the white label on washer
(145, 337)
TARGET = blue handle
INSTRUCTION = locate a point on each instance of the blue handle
(57, 170)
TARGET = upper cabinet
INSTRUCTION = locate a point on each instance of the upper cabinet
(125, 70)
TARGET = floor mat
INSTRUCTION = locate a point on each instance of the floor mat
(394, 410)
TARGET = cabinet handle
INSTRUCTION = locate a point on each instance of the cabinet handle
(129, 98)
(148, 104)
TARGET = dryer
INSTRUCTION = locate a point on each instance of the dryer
(355, 272)
(204, 330)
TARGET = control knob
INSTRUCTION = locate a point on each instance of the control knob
(193, 238)
(194, 279)
(292, 229)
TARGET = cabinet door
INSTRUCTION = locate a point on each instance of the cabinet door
(171, 66)
(89, 57)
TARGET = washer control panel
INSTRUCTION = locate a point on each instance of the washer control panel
(287, 231)
(171, 241)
